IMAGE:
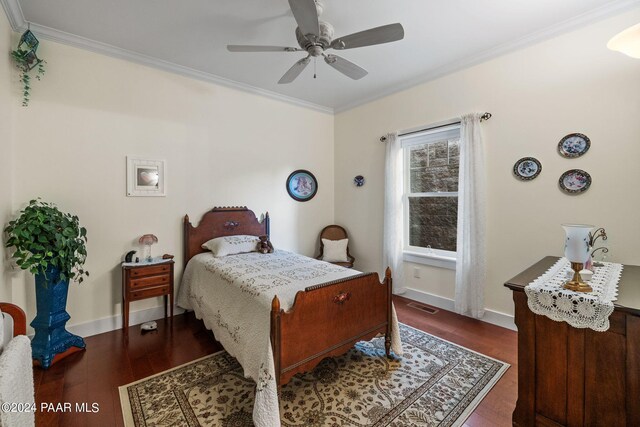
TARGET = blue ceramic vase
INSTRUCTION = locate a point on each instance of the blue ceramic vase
(51, 336)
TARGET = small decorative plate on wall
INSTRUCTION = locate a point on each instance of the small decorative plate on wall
(527, 168)
(358, 181)
(302, 185)
(574, 145)
(575, 181)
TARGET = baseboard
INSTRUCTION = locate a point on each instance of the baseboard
(111, 323)
(490, 316)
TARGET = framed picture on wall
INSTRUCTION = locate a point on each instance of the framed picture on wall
(145, 177)
(302, 185)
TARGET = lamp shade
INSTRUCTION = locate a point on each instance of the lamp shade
(576, 247)
(627, 42)
(148, 239)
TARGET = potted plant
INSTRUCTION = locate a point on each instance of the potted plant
(51, 245)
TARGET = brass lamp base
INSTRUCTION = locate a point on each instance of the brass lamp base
(576, 284)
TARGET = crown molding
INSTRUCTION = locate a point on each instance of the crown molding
(18, 23)
(14, 14)
(574, 23)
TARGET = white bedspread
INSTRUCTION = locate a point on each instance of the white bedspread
(233, 295)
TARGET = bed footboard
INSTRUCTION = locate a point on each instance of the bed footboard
(327, 320)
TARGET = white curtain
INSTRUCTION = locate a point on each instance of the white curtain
(471, 255)
(392, 244)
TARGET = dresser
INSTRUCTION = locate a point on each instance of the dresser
(578, 377)
(146, 281)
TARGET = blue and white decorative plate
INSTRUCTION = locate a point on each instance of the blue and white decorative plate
(527, 168)
(574, 145)
(302, 185)
(575, 181)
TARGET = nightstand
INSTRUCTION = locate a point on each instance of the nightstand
(146, 281)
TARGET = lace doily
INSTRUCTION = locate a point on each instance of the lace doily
(546, 296)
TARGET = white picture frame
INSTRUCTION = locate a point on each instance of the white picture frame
(146, 177)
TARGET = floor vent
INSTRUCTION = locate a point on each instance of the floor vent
(422, 307)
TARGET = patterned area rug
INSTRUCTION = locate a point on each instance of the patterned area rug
(435, 383)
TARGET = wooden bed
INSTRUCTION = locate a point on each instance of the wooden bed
(325, 320)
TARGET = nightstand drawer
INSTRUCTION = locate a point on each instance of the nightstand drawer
(149, 281)
(150, 271)
(151, 292)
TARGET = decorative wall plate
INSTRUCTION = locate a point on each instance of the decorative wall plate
(358, 181)
(527, 168)
(574, 145)
(302, 185)
(575, 181)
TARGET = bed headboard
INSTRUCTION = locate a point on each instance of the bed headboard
(218, 222)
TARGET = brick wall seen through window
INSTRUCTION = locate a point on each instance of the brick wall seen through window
(432, 194)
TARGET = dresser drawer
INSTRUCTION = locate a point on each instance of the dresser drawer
(144, 282)
(150, 271)
(150, 292)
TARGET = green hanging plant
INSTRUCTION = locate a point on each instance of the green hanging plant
(26, 61)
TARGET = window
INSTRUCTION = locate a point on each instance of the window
(431, 160)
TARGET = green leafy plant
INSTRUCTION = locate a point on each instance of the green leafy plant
(25, 62)
(45, 237)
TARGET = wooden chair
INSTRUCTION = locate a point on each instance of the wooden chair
(335, 232)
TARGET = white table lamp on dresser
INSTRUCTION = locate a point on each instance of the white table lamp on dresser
(576, 250)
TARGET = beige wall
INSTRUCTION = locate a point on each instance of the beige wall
(6, 102)
(223, 147)
(571, 83)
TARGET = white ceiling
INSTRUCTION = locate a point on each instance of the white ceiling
(190, 37)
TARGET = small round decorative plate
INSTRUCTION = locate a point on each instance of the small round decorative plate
(575, 181)
(302, 185)
(527, 168)
(574, 145)
(358, 181)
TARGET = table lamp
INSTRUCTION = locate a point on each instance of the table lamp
(147, 240)
(576, 250)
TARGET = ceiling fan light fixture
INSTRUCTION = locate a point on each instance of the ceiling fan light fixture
(315, 37)
(627, 42)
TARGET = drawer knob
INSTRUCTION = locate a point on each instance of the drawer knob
(342, 297)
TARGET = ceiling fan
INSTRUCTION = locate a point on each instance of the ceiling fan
(315, 37)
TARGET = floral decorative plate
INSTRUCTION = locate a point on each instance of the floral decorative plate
(575, 181)
(527, 168)
(302, 185)
(574, 145)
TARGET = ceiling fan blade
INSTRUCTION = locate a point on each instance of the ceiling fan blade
(379, 35)
(295, 71)
(252, 48)
(347, 68)
(306, 16)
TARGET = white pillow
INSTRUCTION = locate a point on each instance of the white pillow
(231, 245)
(1, 331)
(335, 250)
(6, 330)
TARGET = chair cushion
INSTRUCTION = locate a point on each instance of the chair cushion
(335, 250)
(16, 381)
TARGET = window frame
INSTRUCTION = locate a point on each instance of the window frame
(429, 256)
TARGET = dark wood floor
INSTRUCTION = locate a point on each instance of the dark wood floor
(93, 376)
